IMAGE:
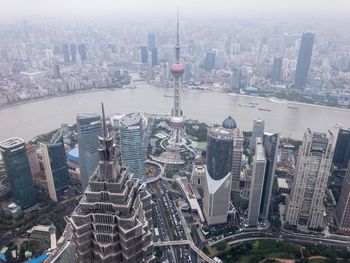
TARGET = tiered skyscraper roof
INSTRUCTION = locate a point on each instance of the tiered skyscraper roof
(112, 221)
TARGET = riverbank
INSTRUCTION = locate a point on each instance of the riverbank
(7, 106)
(288, 102)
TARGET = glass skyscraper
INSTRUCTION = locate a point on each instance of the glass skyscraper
(218, 177)
(219, 152)
(55, 165)
(277, 69)
(131, 141)
(18, 172)
(89, 129)
(304, 60)
(271, 145)
(342, 149)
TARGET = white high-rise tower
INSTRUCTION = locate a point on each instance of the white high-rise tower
(305, 205)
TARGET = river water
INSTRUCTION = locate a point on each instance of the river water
(28, 120)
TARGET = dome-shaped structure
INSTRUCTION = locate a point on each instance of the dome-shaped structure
(229, 123)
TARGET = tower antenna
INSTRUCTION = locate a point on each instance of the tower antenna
(104, 121)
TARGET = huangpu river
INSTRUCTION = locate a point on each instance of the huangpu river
(288, 118)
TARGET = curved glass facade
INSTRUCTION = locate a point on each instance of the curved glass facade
(219, 152)
(18, 172)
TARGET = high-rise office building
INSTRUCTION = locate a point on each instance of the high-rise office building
(55, 165)
(112, 222)
(33, 159)
(154, 56)
(342, 212)
(236, 80)
(237, 154)
(217, 186)
(73, 52)
(219, 152)
(305, 207)
(277, 69)
(151, 41)
(144, 54)
(82, 52)
(256, 187)
(342, 149)
(131, 142)
(237, 151)
(271, 145)
(56, 71)
(258, 131)
(65, 51)
(209, 61)
(89, 128)
(304, 60)
(17, 168)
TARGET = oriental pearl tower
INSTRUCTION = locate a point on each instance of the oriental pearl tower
(177, 136)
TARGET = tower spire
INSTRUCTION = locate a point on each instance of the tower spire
(177, 29)
(177, 46)
(105, 135)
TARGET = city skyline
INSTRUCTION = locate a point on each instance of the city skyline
(231, 151)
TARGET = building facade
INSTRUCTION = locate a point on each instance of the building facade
(112, 222)
(55, 165)
(342, 149)
(277, 69)
(305, 207)
(154, 57)
(304, 60)
(17, 168)
(342, 212)
(131, 142)
(217, 188)
(258, 131)
(236, 80)
(271, 145)
(144, 55)
(256, 187)
(237, 154)
(89, 128)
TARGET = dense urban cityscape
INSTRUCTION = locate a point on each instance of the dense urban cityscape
(120, 184)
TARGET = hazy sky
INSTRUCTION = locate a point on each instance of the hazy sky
(54, 8)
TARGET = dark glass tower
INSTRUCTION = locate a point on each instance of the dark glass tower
(144, 54)
(342, 149)
(89, 128)
(55, 165)
(209, 62)
(18, 172)
(154, 56)
(219, 152)
(271, 145)
(277, 69)
(151, 41)
(304, 60)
